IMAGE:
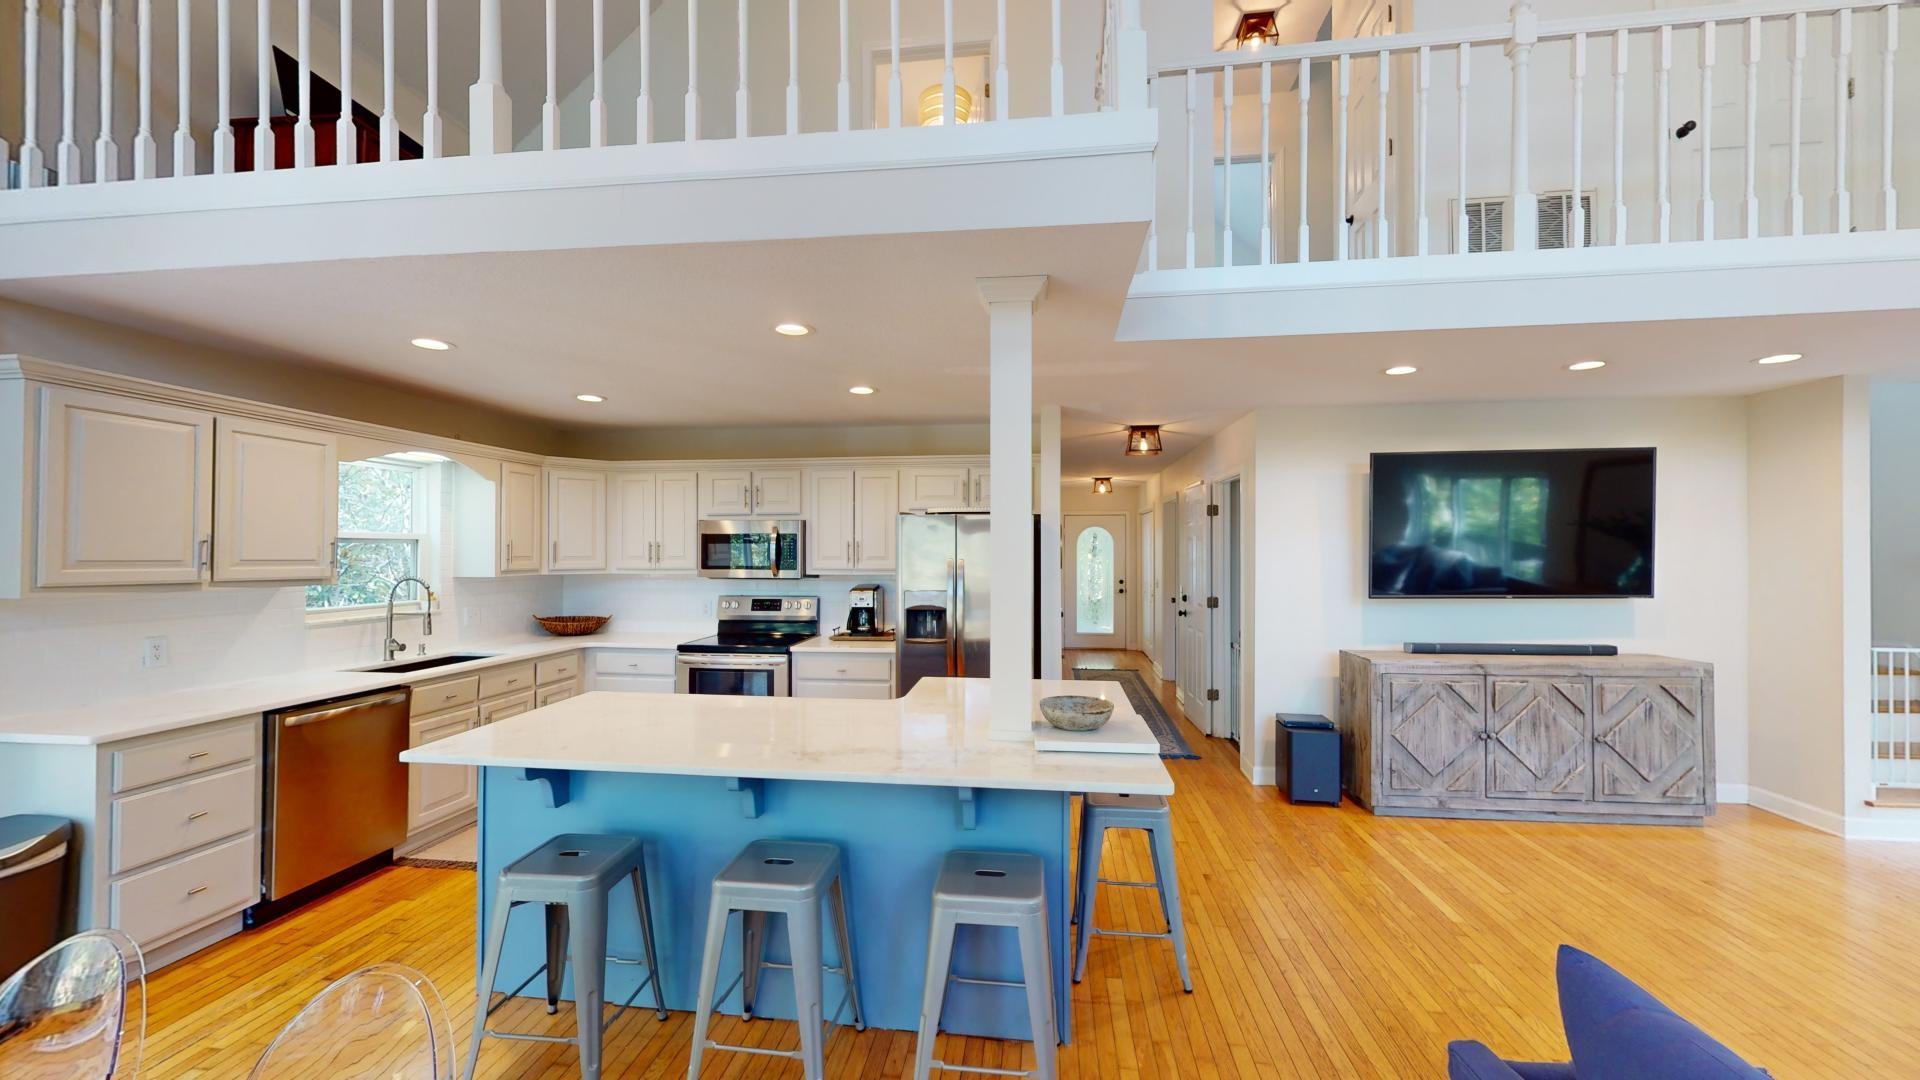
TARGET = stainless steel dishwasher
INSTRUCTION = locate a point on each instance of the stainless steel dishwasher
(336, 790)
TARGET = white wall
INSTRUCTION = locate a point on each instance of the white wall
(1896, 513)
(1811, 599)
(1309, 544)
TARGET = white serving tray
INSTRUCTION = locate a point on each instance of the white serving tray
(1126, 733)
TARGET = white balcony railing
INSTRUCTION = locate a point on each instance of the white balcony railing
(1749, 119)
(1895, 749)
(99, 91)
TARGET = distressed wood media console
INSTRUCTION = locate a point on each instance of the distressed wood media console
(1579, 738)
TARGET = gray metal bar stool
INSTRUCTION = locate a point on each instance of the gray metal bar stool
(571, 876)
(1098, 813)
(990, 888)
(778, 877)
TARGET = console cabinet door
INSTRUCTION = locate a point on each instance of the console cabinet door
(278, 495)
(125, 490)
(1649, 742)
(1538, 741)
(1435, 736)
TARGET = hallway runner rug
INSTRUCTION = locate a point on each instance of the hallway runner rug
(1147, 705)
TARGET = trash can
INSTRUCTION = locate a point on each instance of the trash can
(33, 886)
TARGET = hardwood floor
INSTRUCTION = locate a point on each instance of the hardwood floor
(1325, 943)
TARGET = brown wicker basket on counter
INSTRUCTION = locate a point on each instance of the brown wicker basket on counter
(571, 625)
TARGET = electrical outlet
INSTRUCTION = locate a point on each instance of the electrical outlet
(154, 654)
(469, 616)
(706, 606)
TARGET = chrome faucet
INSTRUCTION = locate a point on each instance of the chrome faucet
(394, 646)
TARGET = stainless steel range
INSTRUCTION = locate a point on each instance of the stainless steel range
(751, 655)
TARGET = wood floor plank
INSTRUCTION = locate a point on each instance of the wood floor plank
(1325, 942)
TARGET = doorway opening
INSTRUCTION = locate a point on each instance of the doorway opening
(1095, 597)
(1226, 612)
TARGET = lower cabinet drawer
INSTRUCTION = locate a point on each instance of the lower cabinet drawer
(154, 824)
(510, 679)
(501, 708)
(632, 684)
(183, 755)
(633, 662)
(156, 903)
(835, 688)
(850, 667)
(440, 696)
(557, 669)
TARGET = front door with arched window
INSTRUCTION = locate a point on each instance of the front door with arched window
(1096, 600)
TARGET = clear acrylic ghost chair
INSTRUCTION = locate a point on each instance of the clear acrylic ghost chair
(385, 1021)
(77, 1012)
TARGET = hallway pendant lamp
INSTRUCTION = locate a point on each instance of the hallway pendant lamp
(1257, 28)
(1103, 485)
(1143, 440)
(933, 102)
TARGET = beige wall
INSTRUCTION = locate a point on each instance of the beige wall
(822, 440)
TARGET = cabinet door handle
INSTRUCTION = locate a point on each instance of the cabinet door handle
(197, 815)
(196, 890)
(198, 754)
(204, 552)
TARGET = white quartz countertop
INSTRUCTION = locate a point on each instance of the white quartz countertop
(935, 736)
(825, 644)
(130, 717)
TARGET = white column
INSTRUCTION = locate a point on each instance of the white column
(1525, 225)
(1010, 303)
(1050, 533)
(489, 110)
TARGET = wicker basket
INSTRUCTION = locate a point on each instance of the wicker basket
(571, 625)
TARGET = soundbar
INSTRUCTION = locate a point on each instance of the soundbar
(1501, 648)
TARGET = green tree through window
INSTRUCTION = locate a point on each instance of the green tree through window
(379, 535)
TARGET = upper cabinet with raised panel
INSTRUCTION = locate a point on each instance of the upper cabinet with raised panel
(655, 519)
(520, 518)
(855, 519)
(277, 502)
(944, 487)
(732, 493)
(576, 519)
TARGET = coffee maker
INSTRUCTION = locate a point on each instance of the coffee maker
(868, 611)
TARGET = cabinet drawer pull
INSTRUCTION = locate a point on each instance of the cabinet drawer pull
(197, 815)
(510, 682)
(196, 890)
(198, 754)
(451, 694)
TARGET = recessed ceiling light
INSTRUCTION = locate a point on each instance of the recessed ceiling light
(591, 399)
(432, 343)
(863, 391)
(792, 329)
(1401, 369)
(1586, 365)
(1778, 358)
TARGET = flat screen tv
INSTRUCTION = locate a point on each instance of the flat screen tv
(1512, 523)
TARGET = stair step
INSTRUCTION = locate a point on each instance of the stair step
(1903, 798)
(1896, 751)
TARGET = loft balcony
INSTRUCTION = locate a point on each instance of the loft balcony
(1750, 158)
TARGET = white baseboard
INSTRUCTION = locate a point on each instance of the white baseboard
(1794, 810)
(1261, 776)
(1884, 823)
(1730, 793)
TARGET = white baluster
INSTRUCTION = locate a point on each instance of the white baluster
(896, 102)
(643, 102)
(346, 146)
(1304, 91)
(303, 124)
(1226, 178)
(1342, 229)
(1193, 80)
(946, 76)
(1525, 226)
(183, 148)
(1663, 130)
(742, 101)
(1460, 151)
(1889, 203)
(30, 163)
(1796, 68)
(223, 44)
(1266, 163)
(1060, 71)
(845, 89)
(1382, 228)
(66, 155)
(106, 156)
(145, 152)
(1707, 48)
(489, 108)
(432, 131)
(1578, 236)
(1842, 103)
(1751, 200)
(1422, 86)
(550, 103)
(597, 107)
(389, 120)
(1000, 102)
(1619, 137)
(693, 69)
(263, 87)
(793, 67)
(1153, 217)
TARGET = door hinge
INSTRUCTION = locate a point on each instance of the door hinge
(1213, 695)
(1389, 13)
(1849, 89)
(1213, 509)
(1213, 601)
(1389, 146)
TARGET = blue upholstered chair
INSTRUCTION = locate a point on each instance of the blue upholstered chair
(1616, 1031)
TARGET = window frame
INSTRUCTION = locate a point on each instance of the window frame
(425, 501)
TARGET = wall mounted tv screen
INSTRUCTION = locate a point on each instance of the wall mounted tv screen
(1512, 523)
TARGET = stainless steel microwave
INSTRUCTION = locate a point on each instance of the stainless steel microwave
(753, 548)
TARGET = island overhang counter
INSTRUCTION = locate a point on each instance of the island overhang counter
(896, 784)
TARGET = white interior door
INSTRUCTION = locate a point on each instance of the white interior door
(1095, 586)
(1191, 611)
(1365, 182)
(1167, 599)
(1149, 587)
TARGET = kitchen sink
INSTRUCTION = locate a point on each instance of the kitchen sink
(425, 662)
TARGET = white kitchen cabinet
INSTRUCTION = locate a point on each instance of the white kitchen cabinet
(861, 674)
(438, 792)
(520, 517)
(655, 520)
(576, 519)
(125, 490)
(560, 691)
(981, 490)
(276, 505)
(492, 712)
(855, 520)
(641, 671)
(934, 487)
(726, 493)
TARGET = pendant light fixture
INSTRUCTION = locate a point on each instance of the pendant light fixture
(1257, 28)
(1143, 440)
(1103, 485)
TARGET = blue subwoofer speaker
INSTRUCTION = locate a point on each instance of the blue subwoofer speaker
(1308, 759)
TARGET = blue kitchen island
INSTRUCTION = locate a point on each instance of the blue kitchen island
(897, 784)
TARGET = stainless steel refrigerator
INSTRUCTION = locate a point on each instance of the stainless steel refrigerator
(946, 597)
